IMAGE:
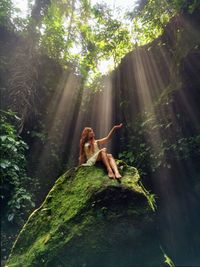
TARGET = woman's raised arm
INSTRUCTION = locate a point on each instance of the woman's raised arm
(107, 138)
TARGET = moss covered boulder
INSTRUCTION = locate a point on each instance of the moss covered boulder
(89, 220)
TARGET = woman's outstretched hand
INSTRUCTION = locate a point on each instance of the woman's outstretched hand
(105, 139)
(118, 126)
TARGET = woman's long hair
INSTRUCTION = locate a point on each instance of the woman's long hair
(83, 140)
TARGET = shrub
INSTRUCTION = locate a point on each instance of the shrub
(14, 196)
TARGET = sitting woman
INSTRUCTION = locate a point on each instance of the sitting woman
(90, 152)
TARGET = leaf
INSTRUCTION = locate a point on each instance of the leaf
(3, 137)
(120, 155)
(5, 163)
(16, 167)
(168, 125)
(11, 139)
(17, 118)
(17, 205)
(11, 217)
(129, 154)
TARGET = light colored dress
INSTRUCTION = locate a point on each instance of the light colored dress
(91, 156)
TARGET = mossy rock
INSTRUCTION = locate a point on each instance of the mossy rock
(89, 220)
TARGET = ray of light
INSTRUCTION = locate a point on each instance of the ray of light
(58, 119)
(150, 85)
(99, 116)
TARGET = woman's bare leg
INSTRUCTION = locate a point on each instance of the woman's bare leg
(103, 156)
(114, 166)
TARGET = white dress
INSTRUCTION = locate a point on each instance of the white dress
(91, 156)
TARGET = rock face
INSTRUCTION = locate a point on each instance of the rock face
(89, 220)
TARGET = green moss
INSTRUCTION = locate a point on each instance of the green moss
(80, 212)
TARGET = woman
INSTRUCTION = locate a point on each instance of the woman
(90, 152)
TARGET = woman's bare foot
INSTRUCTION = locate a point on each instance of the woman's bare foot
(111, 175)
(118, 176)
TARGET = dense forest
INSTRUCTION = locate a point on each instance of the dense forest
(69, 64)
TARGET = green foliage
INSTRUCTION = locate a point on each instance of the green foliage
(10, 17)
(107, 38)
(53, 42)
(149, 22)
(150, 17)
(150, 197)
(84, 35)
(13, 168)
(185, 5)
(78, 34)
(128, 157)
(5, 12)
(156, 142)
(168, 261)
(112, 35)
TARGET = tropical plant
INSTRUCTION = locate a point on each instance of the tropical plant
(14, 194)
(6, 9)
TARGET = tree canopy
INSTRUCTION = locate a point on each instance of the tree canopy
(83, 35)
